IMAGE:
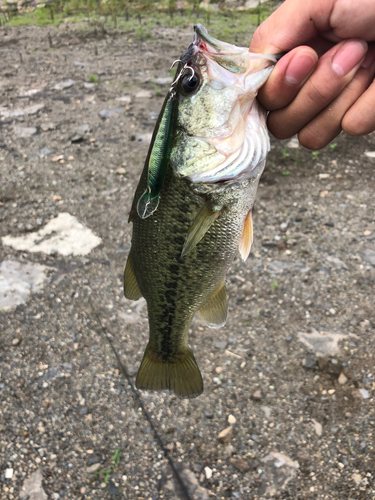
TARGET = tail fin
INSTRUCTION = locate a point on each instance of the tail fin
(181, 375)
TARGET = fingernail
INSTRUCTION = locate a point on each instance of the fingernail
(348, 56)
(368, 60)
(299, 67)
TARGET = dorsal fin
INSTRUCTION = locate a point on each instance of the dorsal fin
(214, 311)
(247, 236)
(201, 224)
(131, 288)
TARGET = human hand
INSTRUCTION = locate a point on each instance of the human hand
(325, 83)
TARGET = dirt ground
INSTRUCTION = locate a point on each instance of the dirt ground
(292, 373)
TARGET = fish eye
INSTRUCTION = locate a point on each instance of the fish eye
(189, 82)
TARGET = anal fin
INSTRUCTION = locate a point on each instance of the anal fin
(201, 224)
(247, 237)
(180, 375)
(131, 288)
(215, 310)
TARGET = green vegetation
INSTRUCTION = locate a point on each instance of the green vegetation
(286, 172)
(140, 17)
(93, 79)
(275, 284)
(333, 146)
(315, 155)
(115, 461)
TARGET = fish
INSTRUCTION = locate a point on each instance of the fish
(192, 208)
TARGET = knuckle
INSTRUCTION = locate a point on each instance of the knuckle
(319, 96)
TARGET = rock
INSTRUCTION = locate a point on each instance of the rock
(226, 435)
(80, 132)
(66, 84)
(221, 344)
(231, 419)
(80, 64)
(339, 264)
(42, 153)
(322, 343)
(278, 266)
(143, 94)
(240, 464)
(29, 93)
(342, 379)
(47, 126)
(166, 80)
(278, 471)
(32, 488)
(112, 488)
(64, 235)
(126, 99)
(8, 473)
(17, 280)
(13, 113)
(317, 427)
(369, 256)
(108, 113)
(267, 411)
(208, 472)
(257, 395)
(121, 171)
(310, 362)
(192, 485)
(89, 85)
(154, 115)
(252, 4)
(357, 478)
(370, 154)
(24, 132)
(293, 143)
(364, 393)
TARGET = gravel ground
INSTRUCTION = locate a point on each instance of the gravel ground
(290, 378)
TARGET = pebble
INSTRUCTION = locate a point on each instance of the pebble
(108, 113)
(293, 143)
(232, 419)
(322, 343)
(126, 99)
(221, 344)
(8, 473)
(163, 80)
(369, 256)
(257, 395)
(370, 154)
(208, 472)
(89, 85)
(342, 379)
(66, 84)
(240, 464)
(219, 369)
(364, 393)
(310, 362)
(226, 435)
(367, 232)
(143, 94)
(16, 341)
(24, 132)
(32, 488)
(47, 126)
(121, 171)
(317, 427)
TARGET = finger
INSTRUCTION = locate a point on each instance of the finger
(327, 124)
(295, 22)
(287, 78)
(333, 72)
(360, 119)
(292, 24)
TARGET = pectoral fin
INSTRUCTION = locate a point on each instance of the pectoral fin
(247, 237)
(214, 311)
(201, 224)
(131, 288)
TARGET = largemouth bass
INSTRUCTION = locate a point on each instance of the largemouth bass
(191, 212)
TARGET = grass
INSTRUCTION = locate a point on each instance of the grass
(115, 461)
(227, 25)
(93, 79)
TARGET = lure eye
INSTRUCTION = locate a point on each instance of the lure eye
(190, 83)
